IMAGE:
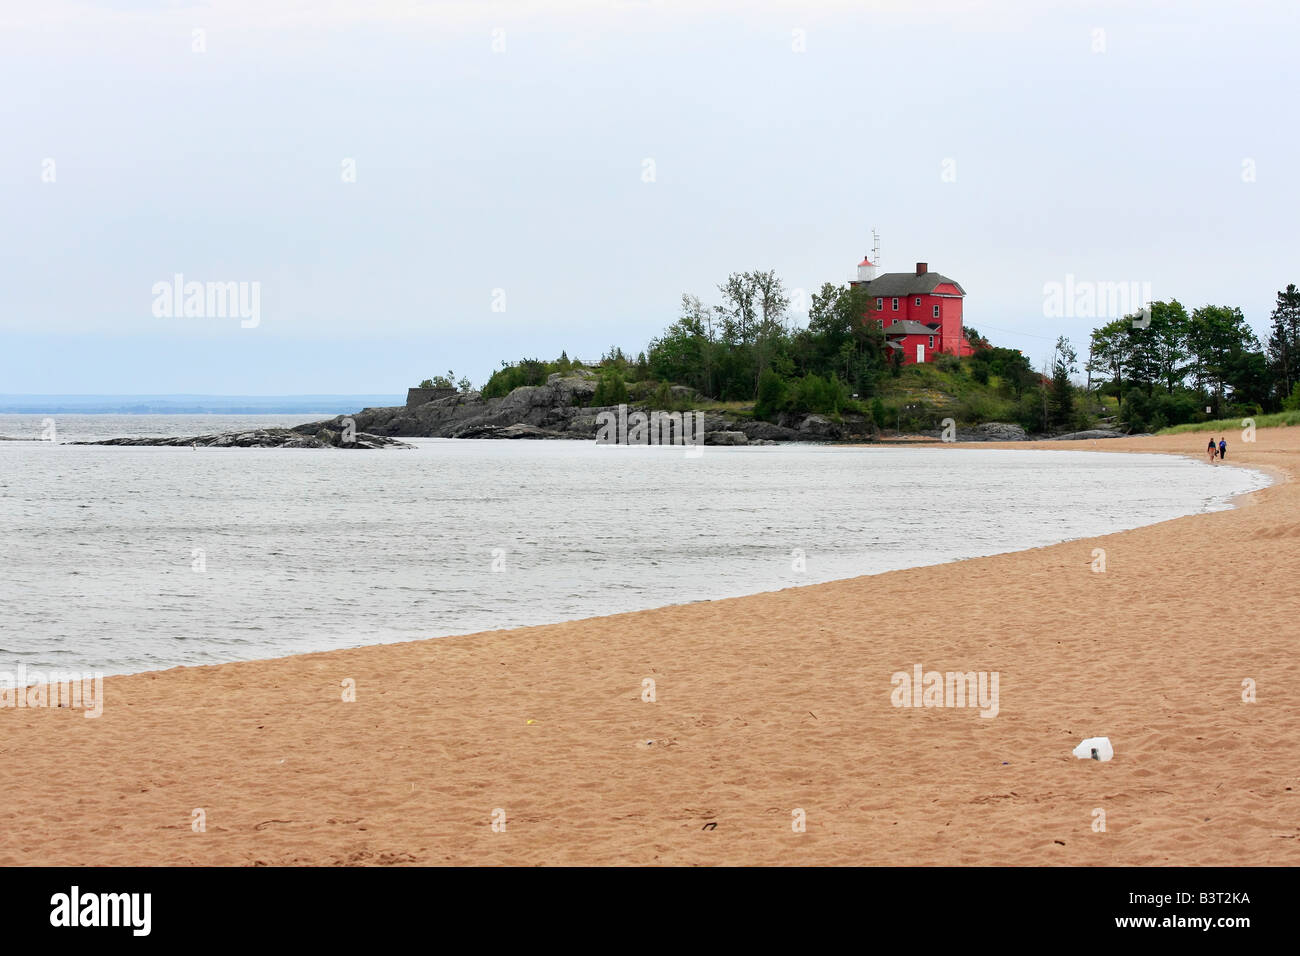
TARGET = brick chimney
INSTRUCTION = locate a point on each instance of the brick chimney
(922, 268)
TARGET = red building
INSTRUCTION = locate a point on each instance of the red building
(919, 312)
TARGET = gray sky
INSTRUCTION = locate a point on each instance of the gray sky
(1007, 144)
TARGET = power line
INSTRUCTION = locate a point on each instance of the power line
(1048, 338)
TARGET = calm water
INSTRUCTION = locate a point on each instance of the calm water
(129, 559)
(95, 427)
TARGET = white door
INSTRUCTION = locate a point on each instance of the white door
(920, 352)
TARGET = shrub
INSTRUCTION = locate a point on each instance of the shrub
(611, 389)
(771, 395)
(878, 412)
(812, 393)
(950, 364)
(510, 377)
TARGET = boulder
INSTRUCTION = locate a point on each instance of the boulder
(767, 432)
(819, 428)
(725, 438)
(1000, 431)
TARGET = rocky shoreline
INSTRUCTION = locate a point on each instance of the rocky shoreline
(1003, 431)
(559, 409)
(262, 438)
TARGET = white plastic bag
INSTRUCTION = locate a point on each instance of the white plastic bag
(1095, 748)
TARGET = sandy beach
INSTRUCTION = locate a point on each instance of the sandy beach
(764, 706)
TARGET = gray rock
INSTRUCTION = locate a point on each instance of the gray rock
(819, 427)
(559, 409)
(506, 431)
(1093, 433)
(767, 432)
(725, 438)
(262, 438)
(1000, 431)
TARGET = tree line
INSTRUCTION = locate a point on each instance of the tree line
(746, 347)
(1167, 365)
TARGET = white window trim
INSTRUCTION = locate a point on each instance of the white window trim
(895, 303)
(936, 311)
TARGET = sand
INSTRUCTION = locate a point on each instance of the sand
(764, 705)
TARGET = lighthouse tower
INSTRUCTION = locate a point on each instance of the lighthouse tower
(869, 267)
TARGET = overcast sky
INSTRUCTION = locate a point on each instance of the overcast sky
(580, 165)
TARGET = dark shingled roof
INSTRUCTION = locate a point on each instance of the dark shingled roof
(908, 327)
(907, 283)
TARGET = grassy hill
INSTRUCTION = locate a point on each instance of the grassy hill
(1226, 425)
(998, 386)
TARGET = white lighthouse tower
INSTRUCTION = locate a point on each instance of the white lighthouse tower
(869, 267)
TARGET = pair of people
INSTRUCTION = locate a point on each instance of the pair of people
(1217, 451)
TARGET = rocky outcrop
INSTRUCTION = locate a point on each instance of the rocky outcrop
(989, 431)
(1091, 433)
(1004, 431)
(1000, 431)
(263, 438)
(507, 431)
(767, 431)
(725, 438)
(560, 409)
(418, 396)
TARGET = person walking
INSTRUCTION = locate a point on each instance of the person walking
(1223, 448)
(1213, 451)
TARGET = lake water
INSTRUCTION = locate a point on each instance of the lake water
(131, 559)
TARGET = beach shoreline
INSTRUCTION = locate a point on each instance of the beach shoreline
(764, 706)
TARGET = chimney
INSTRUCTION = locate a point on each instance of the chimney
(922, 268)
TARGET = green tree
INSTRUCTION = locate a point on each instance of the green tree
(1110, 353)
(771, 395)
(1060, 394)
(1219, 341)
(1284, 341)
(611, 389)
